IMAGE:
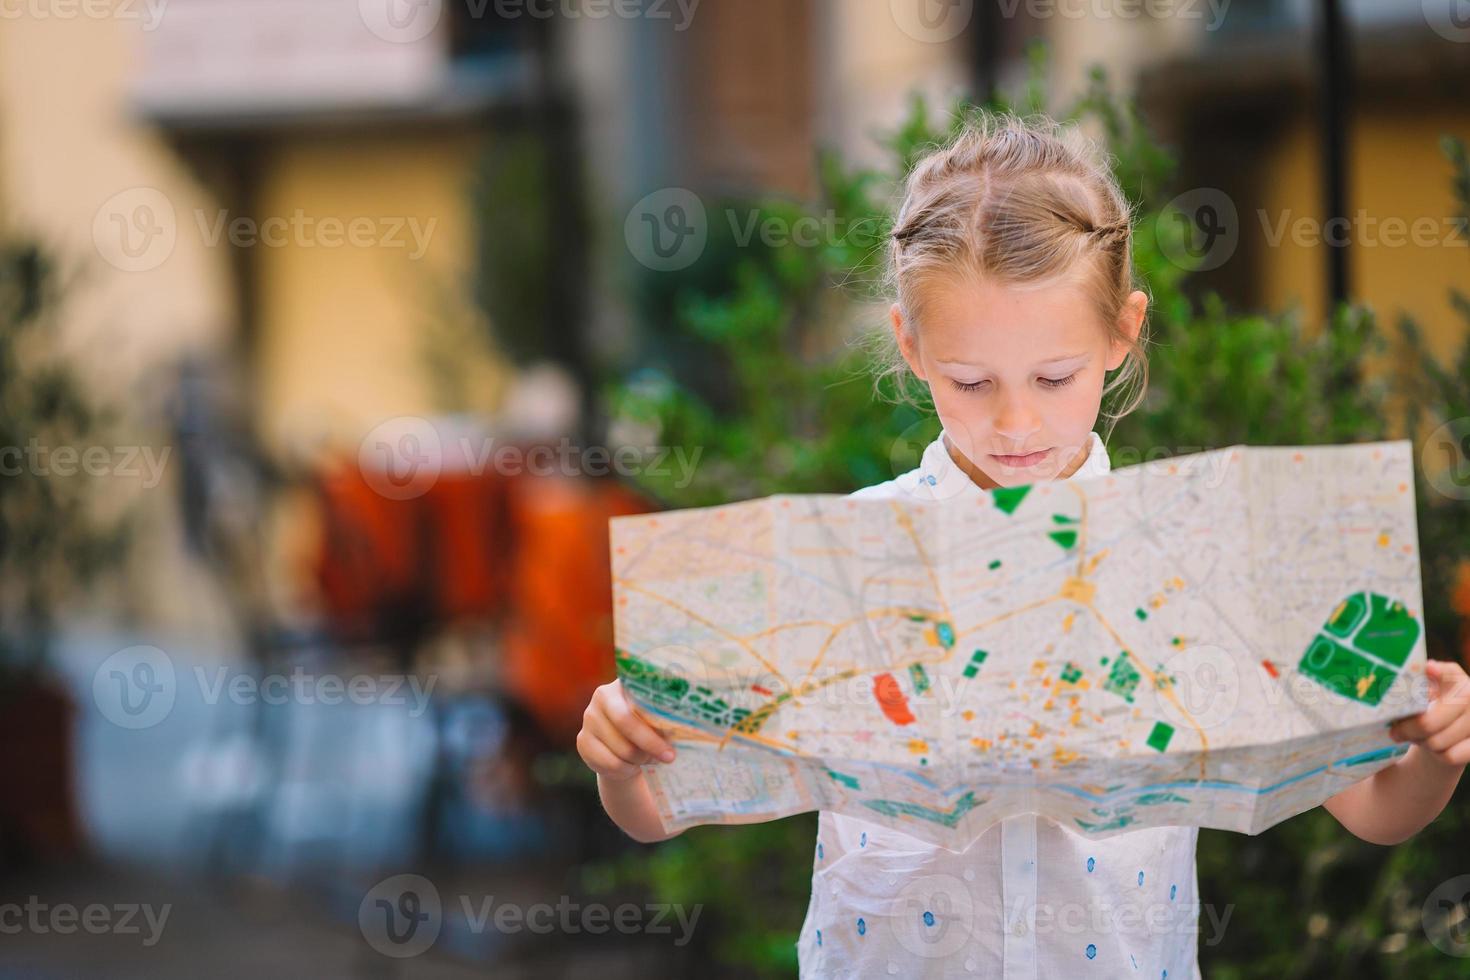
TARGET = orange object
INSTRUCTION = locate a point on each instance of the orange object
(370, 556)
(468, 543)
(531, 548)
(891, 699)
(559, 633)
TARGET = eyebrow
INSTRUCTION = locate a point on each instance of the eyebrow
(1050, 360)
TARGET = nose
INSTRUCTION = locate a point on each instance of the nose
(1016, 421)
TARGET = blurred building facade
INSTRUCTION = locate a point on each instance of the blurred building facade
(201, 165)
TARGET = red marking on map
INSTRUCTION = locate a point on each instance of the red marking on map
(891, 699)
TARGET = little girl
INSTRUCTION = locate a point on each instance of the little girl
(1011, 262)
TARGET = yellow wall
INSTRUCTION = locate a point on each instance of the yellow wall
(71, 151)
(69, 145)
(1398, 171)
(343, 331)
(339, 331)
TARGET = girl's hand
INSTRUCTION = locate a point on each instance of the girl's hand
(615, 740)
(1442, 729)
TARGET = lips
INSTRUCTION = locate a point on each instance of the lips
(1023, 460)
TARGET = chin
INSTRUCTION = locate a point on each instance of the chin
(1002, 478)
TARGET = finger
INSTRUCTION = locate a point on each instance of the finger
(1431, 721)
(1459, 755)
(1451, 703)
(622, 713)
(1410, 729)
(1458, 731)
(610, 736)
(1446, 675)
(602, 759)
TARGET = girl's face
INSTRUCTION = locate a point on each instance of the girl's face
(1016, 374)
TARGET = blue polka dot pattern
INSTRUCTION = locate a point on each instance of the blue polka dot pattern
(864, 874)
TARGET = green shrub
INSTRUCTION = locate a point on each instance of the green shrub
(754, 379)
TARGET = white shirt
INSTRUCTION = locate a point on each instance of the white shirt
(1028, 899)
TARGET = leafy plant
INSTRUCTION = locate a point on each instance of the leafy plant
(50, 543)
(753, 369)
(1439, 395)
(1308, 898)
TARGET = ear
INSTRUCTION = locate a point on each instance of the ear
(1130, 322)
(906, 345)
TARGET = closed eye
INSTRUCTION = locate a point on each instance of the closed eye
(1049, 382)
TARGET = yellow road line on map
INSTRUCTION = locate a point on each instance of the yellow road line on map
(864, 618)
(712, 626)
(1167, 691)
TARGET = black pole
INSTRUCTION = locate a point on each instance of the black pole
(985, 50)
(1335, 92)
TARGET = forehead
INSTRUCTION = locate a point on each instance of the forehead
(996, 325)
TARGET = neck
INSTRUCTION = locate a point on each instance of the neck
(982, 479)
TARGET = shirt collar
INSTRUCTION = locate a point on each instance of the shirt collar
(947, 481)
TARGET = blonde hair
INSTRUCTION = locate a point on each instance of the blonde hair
(1019, 201)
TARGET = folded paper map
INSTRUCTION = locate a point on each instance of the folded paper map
(1218, 640)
